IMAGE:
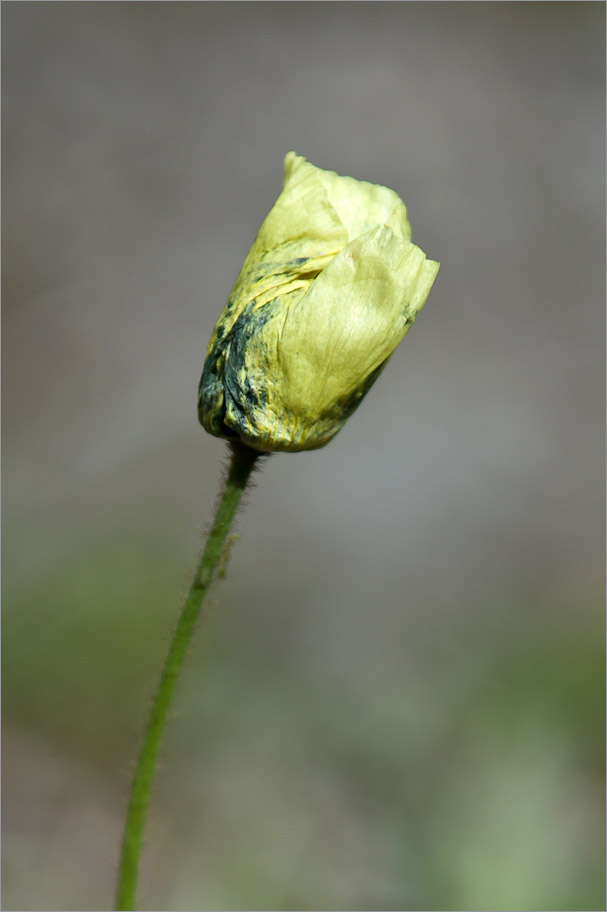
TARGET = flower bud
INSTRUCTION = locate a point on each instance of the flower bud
(329, 288)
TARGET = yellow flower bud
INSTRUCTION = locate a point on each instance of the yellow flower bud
(329, 288)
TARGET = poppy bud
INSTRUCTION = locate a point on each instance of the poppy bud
(329, 288)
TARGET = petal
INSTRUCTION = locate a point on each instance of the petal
(302, 214)
(352, 318)
(359, 204)
(298, 238)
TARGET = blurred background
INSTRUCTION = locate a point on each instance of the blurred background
(396, 699)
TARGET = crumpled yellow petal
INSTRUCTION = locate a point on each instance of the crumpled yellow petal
(351, 319)
(358, 204)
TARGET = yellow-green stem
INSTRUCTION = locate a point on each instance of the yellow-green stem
(241, 466)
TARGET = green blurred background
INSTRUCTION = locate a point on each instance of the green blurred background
(396, 700)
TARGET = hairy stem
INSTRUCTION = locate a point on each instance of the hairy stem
(241, 466)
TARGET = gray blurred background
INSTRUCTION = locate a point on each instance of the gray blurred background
(396, 699)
